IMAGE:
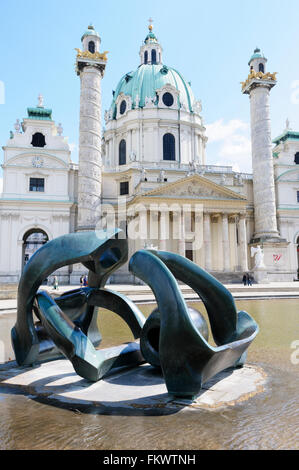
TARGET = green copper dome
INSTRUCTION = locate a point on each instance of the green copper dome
(146, 80)
(256, 55)
(90, 32)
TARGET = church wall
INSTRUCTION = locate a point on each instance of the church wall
(17, 183)
(286, 191)
(16, 219)
(143, 131)
(286, 155)
(289, 229)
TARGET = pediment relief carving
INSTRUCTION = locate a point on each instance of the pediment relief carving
(195, 188)
(36, 161)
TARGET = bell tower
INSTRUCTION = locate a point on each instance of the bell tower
(90, 66)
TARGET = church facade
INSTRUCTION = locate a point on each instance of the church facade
(146, 172)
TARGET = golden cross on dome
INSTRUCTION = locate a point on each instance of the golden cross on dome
(150, 27)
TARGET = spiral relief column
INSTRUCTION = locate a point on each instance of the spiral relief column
(266, 235)
(258, 86)
(90, 67)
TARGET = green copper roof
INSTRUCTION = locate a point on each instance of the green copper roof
(40, 113)
(147, 79)
(150, 38)
(287, 135)
(90, 32)
(256, 55)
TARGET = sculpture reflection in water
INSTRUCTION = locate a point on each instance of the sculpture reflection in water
(173, 338)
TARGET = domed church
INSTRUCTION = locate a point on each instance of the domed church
(146, 172)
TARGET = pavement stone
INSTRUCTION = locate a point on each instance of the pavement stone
(140, 388)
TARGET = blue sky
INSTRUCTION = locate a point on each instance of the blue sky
(209, 42)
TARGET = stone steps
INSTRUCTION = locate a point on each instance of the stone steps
(8, 291)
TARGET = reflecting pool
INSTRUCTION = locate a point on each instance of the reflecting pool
(269, 420)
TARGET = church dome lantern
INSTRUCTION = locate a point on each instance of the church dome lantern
(91, 40)
(150, 51)
(257, 61)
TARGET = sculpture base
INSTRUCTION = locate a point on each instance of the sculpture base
(261, 276)
(140, 390)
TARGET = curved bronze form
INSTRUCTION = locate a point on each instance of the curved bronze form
(150, 333)
(102, 253)
(88, 362)
(187, 359)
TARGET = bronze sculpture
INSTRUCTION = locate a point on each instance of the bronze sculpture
(68, 324)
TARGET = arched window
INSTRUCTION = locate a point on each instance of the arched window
(122, 152)
(145, 57)
(91, 47)
(38, 140)
(296, 159)
(32, 241)
(261, 68)
(154, 56)
(168, 147)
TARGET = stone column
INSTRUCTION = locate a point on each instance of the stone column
(262, 164)
(143, 228)
(129, 150)
(225, 243)
(198, 237)
(163, 231)
(258, 88)
(182, 244)
(242, 243)
(90, 158)
(207, 240)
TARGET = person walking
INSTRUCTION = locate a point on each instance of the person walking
(244, 279)
(81, 281)
(55, 283)
(85, 281)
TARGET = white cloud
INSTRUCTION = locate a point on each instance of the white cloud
(230, 144)
(219, 131)
(72, 146)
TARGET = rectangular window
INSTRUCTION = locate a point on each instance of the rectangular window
(37, 184)
(124, 188)
(297, 196)
(189, 251)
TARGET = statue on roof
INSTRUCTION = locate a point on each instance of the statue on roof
(40, 101)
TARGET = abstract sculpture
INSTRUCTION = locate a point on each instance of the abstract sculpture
(69, 324)
(187, 359)
(174, 337)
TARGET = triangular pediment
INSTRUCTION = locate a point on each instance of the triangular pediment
(194, 187)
